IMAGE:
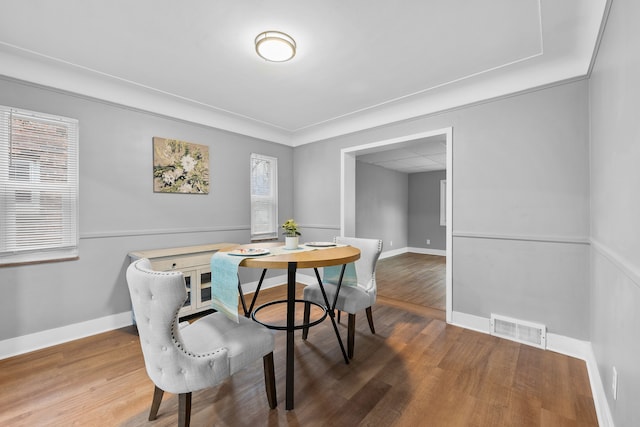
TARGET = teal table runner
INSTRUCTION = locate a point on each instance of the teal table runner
(332, 275)
(224, 284)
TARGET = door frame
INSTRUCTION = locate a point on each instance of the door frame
(348, 195)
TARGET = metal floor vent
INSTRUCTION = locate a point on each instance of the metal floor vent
(521, 331)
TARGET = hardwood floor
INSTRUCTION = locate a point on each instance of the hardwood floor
(416, 371)
(415, 278)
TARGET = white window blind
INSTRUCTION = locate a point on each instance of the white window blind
(38, 187)
(264, 197)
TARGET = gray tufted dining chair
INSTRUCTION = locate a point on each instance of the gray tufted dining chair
(183, 358)
(351, 299)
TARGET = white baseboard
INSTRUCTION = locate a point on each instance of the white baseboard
(36, 341)
(605, 419)
(568, 346)
(560, 344)
(584, 350)
(400, 251)
(427, 251)
(470, 321)
(387, 254)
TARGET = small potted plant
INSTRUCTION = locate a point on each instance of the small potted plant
(291, 234)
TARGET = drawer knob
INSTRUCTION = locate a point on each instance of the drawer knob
(173, 265)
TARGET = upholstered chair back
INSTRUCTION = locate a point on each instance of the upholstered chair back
(370, 250)
(156, 298)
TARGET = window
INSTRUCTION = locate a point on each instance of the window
(38, 187)
(264, 197)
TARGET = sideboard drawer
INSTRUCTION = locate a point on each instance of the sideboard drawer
(181, 262)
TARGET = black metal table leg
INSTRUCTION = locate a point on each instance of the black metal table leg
(257, 291)
(335, 328)
(291, 307)
(248, 311)
(331, 308)
(290, 328)
(244, 304)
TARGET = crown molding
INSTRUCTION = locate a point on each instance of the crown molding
(33, 68)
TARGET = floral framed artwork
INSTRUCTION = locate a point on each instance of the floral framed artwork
(180, 167)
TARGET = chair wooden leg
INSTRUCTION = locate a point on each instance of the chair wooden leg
(270, 380)
(307, 312)
(351, 334)
(155, 404)
(370, 319)
(184, 409)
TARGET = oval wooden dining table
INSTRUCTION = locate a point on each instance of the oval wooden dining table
(292, 261)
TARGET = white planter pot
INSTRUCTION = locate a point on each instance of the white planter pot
(291, 242)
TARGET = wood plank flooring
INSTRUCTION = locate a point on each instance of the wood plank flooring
(415, 278)
(416, 371)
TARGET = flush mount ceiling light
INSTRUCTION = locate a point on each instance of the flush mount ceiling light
(275, 46)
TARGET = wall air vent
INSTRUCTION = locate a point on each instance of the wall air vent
(521, 331)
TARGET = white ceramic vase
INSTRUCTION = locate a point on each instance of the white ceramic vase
(291, 242)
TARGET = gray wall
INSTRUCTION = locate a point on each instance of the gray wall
(520, 187)
(424, 211)
(119, 211)
(615, 209)
(398, 207)
(317, 185)
(382, 205)
(520, 177)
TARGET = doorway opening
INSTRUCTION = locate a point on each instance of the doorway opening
(348, 192)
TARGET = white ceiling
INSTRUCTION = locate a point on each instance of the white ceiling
(359, 63)
(420, 155)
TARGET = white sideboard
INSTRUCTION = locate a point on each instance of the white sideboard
(195, 263)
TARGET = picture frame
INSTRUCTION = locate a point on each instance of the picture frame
(180, 167)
